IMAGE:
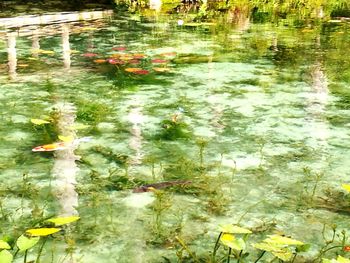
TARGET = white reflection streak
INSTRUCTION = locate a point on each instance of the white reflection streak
(11, 54)
(317, 103)
(35, 43)
(66, 46)
(136, 118)
(65, 169)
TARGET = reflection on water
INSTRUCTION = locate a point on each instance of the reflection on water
(12, 57)
(65, 168)
(240, 110)
(65, 46)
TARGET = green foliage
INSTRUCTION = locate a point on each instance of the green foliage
(172, 130)
(92, 112)
(24, 243)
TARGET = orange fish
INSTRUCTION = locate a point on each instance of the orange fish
(56, 146)
(99, 61)
(132, 69)
(50, 147)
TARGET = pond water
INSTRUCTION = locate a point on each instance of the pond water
(249, 121)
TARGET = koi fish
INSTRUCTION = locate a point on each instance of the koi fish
(89, 55)
(57, 146)
(161, 185)
(50, 147)
(159, 61)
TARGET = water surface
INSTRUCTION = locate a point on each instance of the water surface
(255, 115)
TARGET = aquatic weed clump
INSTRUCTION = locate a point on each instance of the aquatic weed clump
(92, 112)
(173, 130)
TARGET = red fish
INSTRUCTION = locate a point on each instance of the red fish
(119, 48)
(115, 61)
(161, 185)
(89, 55)
(134, 61)
(159, 61)
(141, 72)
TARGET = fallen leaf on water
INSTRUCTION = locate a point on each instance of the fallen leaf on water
(58, 221)
(4, 245)
(5, 257)
(346, 187)
(40, 232)
(66, 138)
(39, 121)
(24, 243)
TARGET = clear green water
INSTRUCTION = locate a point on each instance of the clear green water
(262, 134)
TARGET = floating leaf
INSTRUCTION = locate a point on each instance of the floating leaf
(277, 239)
(39, 121)
(5, 257)
(346, 187)
(285, 254)
(231, 241)
(24, 243)
(4, 245)
(42, 51)
(339, 259)
(303, 248)
(38, 232)
(58, 221)
(66, 138)
(268, 247)
(234, 229)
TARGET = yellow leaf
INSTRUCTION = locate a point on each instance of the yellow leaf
(39, 121)
(276, 239)
(4, 245)
(285, 255)
(268, 247)
(341, 259)
(346, 187)
(49, 52)
(58, 221)
(40, 232)
(231, 241)
(234, 229)
(66, 138)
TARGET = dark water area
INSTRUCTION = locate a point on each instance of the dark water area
(161, 130)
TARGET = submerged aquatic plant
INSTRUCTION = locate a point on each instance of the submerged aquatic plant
(161, 204)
